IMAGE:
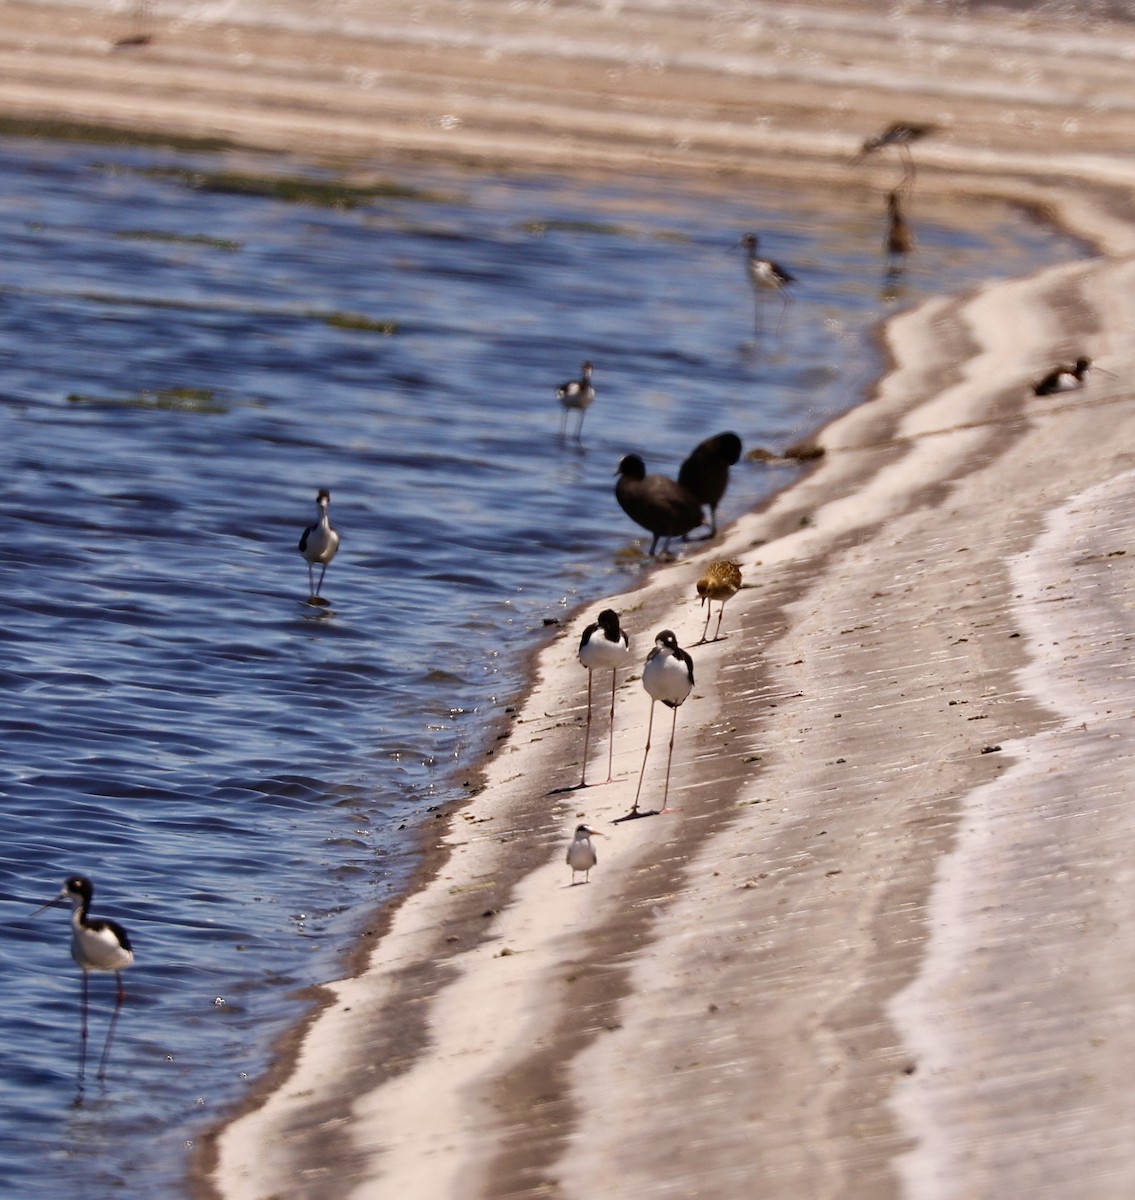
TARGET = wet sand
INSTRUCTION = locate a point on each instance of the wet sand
(878, 948)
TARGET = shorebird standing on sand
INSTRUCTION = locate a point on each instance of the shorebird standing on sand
(581, 854)
(97, 944)
(668, 675)
(766, 276)
(604, 646)
(721, 582)
(705, 474)
(1063, 378)
(656, 502)
(319, 544)
(577, 395)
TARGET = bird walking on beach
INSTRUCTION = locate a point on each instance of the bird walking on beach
(581, 854)
(657, 503)
(604, 646)
(899, 241)
(766, 276)
(1063, 378)
(319, 543)
(577, 395)
(899, 134)
(721, 582)
(668, 675)
(97, 944)
(705, 474)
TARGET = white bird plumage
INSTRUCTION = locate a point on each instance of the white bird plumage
(319, 543)
(668, 675)
(581, 854)
(604, 646)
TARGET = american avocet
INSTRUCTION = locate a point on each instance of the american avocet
(319, 543)
(604, 646)
(705, 474)
(899, 134)
(721, 582)
(668, 675)
(581, 854)
(97, 944)
(577, 395)
(656, 502)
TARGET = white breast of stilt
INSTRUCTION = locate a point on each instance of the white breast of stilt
(666, 676)
(98, 945)
(599, 653)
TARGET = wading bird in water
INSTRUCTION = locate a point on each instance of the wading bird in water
(319, 543)
(766, 276)
(899, 134)
(656, 502)
(721, 582)
(899, 241)
(577, 395)
(97, 944)
(603, 647)
(581, 854)
(668, 675)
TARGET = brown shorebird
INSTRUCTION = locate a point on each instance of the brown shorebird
(655, 502)
(705, 474)
(721, 582)
(577, 395)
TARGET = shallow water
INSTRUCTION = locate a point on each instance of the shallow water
(239, 772)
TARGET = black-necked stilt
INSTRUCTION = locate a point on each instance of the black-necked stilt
(603, 647)
(721, 582)
(657, 503)
(899, 241)
(97, 944)
(705, 474)
(581, 854)
(319, 543)
(577, 395)
(766, 275)
(1063, 378)
(668, 675)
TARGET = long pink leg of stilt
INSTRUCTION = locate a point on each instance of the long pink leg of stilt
(83, 1031)
(586, 734)
(669, 758)
(611, 734)
(638, 791)
(111, 1027)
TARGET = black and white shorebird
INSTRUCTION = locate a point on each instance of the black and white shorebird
(705, 473)
(319, 543)
(766, 276)
(1063, 378)
(97, 944)
(721, 582)
(667, 675)
(656, 502)
(581, 854)
(577, 395)
(604, 646)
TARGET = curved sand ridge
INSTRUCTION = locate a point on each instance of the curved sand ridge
(878, 948)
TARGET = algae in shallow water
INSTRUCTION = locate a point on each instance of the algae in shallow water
(174, 399)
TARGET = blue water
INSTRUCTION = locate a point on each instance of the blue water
(239, 772)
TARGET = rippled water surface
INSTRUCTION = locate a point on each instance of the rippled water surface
(184, 364)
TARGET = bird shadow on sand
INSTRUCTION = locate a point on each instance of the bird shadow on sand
(636, 814)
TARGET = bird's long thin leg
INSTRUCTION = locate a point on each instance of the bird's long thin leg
(786, 296)
(642, 772)
(111, 1027)
(709, 613)
(720, 614)
(321, 574)
(586, 734)
(83, 1031)
(669, 758)
(611, 733)
(310, 580)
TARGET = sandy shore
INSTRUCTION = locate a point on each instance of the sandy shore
(879, 946)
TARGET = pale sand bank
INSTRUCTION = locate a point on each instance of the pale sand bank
(869, 954)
